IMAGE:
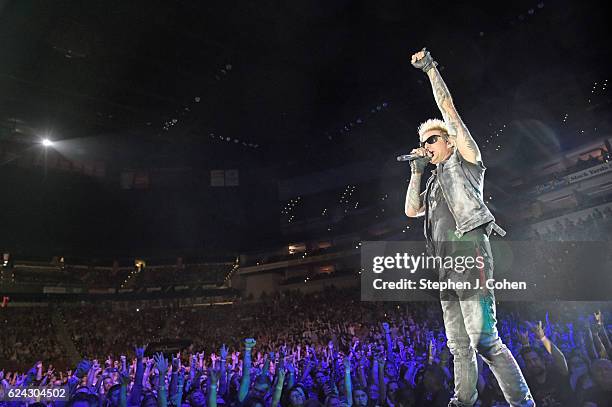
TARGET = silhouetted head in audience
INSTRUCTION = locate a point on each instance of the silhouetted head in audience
(149, 400)
(373, 393)
(312, 403)
(83, 398)
(254, 402)
(534, 364)
(297, 396)
(320, 377)
(405, 397)
(360, 397)
(261, 387)
(197, 398)
(390, 371)
(433, 378)
(577, 364)
(601, 372)
(112, 398)
(392, 388)
(332, 401)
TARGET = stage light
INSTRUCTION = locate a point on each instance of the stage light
(6, 257)
(46, 142)
(139, 264)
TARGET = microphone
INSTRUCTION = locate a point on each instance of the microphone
(411, 157)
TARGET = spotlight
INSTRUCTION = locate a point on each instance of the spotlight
(46, 142)
(139, 264)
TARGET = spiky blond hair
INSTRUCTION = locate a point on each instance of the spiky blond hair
(433, 124)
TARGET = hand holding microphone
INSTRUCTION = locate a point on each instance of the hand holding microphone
(418, 157)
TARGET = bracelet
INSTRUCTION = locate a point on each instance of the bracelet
(428, 67)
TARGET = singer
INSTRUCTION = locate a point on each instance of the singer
(458, 221)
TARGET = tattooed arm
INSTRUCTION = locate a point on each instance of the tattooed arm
(415, 206)
(459, 133)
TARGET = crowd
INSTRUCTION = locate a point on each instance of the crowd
(26, 334)
(327, 348)
(102, 330)
(589, 227)
(550, 182)
(125, 277)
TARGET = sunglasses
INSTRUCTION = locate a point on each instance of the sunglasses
(431, 139)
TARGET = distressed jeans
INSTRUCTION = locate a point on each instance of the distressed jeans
(470, 323)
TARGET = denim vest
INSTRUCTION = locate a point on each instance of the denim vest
(462, 190)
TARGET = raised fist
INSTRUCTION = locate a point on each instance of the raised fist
(422, 60)
(249, 343)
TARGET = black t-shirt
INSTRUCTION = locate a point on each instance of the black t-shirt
(492, 396)
(441, 222)
(598, 396)
(441, 226)
(554, 392)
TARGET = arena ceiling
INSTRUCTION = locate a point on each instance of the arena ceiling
(296, 85)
